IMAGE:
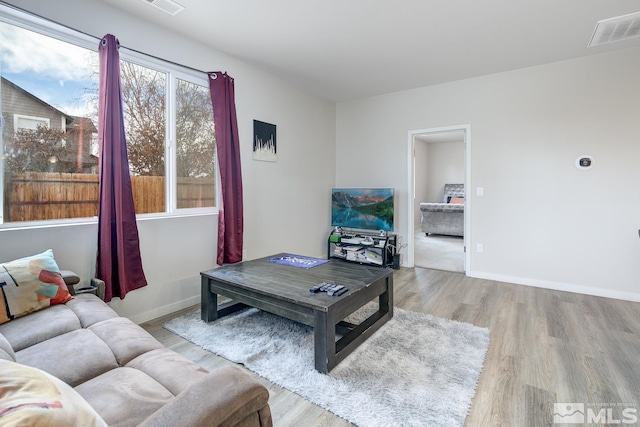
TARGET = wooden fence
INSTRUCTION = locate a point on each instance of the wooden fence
(35, 196)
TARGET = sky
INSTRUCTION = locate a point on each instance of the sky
(57, 72)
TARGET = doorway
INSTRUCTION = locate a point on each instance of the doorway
(437, 156)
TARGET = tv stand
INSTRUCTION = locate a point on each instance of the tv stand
(363, 247)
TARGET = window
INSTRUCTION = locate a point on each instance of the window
(145, 117)
(195, 146)
(49, 96)
(29, 123)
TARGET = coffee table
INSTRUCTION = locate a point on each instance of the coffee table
(284, 290)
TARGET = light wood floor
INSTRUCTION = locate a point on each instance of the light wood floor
(546, 346)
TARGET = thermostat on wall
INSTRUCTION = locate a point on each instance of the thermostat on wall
(584, 162)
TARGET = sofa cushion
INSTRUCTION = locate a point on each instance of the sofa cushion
(74, 357)
(30, 284)
(175, 372)
(90, 309)
(124, 396)
(125, 339)
(39, 326)
(30, 397)
(242, 401)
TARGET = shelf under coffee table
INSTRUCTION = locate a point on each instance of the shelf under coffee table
(284, 290)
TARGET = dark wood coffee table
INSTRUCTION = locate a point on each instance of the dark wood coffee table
(284, 290)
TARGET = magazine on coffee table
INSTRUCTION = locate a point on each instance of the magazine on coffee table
(299, 261)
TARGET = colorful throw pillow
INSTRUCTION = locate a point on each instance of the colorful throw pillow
(457, 200)
(31, 397)
(30, 284)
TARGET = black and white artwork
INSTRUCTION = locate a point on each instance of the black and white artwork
(264, 141)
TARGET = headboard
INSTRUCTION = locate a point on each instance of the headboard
(453, 190)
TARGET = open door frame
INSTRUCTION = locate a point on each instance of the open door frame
(411, 186)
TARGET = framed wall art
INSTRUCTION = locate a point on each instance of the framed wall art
(264, 141)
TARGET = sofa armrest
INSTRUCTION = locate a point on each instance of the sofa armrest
(70, 279)
(223, 397)
(100, 285)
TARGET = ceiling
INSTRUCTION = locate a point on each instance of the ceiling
(344, 50)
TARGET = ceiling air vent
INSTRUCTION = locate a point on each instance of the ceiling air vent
(167, 6)
(616, 29)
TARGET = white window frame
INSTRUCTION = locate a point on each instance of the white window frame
(32, 23)
(172, 73)
(17, 117)
(199, 80)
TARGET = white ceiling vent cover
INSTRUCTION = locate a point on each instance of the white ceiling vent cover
(616, 29)
(167, 6)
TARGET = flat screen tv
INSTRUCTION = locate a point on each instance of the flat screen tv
(362, 208)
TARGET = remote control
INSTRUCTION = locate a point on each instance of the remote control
(330, 288)
(333, 291)
(340, 292)
(315, 289)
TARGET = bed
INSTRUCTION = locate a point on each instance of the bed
(445, 218)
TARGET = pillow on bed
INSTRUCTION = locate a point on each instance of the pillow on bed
(30, 284)
(457, 200)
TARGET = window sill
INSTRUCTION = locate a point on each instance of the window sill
(90, 221)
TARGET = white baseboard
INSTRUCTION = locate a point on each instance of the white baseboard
(566, 287)
(164, 310)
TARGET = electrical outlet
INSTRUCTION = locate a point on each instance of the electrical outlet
(479, 248)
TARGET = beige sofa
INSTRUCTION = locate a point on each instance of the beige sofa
(122, 372)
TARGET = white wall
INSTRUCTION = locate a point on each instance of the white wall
(286, 203)
(421, 179)
(446, 166)
(542, 221)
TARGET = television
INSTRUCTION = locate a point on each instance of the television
(362, 208)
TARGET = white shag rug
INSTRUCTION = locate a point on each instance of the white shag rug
(417, 370)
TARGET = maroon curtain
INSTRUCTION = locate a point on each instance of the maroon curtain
(230, 218)
(119, 262)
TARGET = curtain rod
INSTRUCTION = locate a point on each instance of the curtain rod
(99, 38)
